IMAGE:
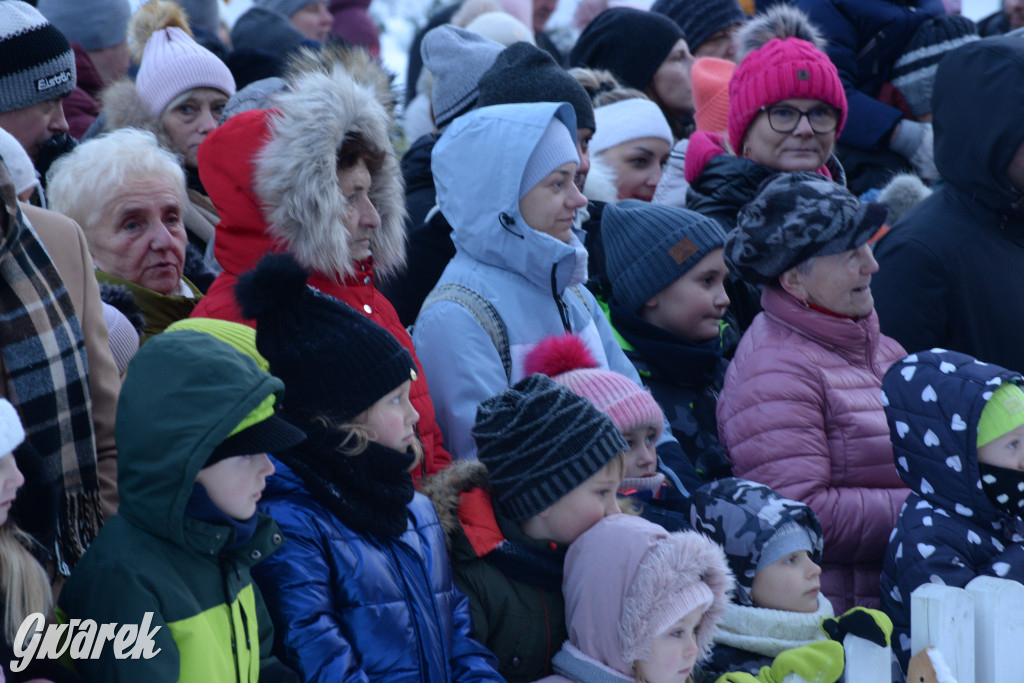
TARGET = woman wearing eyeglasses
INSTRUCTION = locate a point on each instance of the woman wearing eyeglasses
(786, 109)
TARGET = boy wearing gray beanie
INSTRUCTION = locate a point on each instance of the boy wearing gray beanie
(669, 303)
(549, 465)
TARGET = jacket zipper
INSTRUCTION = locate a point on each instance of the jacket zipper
(563, 310)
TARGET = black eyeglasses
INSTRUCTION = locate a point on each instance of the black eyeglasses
(785, 119)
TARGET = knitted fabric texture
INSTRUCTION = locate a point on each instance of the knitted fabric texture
(795, 217)
(11, 431)
(567, 360)
(627, 120)
(18, 163)
(94, 25)
(539, 441)
(457, 58)
(557, 146)
(781, 70)
(1004, 412)
(524, 73)
(709, 78)
(36, 61)
(649, 246)
(790, 538)
(630, 43)
(700, 19)
(172, 64)
(914, 71)
(334, 360)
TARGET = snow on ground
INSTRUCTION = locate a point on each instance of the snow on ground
(400, 19)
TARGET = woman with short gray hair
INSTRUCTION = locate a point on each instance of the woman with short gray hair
(801, 407)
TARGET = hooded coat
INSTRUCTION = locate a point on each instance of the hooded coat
(742, 517)
(800, 412)
(949, 531)
(946, 270)
(348, 604)
(525, 274)
(155, 558)
(641, 575)
(272, 175)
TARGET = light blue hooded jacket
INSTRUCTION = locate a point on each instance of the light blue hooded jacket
(478, 164)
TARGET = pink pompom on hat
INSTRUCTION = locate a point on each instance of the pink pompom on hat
(567, 361)
(781, 69)
(710, 78)
(173, 63)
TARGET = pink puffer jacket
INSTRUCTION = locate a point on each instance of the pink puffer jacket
(801, 412)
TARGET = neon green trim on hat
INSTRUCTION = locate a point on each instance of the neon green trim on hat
(264, 410)
(1004, 412)
(240, 336)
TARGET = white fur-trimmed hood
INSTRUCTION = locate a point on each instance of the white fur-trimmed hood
(296, 178)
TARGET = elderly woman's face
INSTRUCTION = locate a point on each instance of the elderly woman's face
(140, 236)
(189, 122)
(840, 283)
(637, 165)
(799, 150)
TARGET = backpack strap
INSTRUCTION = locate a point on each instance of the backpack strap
(482, 310)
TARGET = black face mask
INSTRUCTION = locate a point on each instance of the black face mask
(1004, 487)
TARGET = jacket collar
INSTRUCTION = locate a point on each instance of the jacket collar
(854, 340)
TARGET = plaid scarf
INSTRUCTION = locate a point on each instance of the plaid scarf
(47, 377)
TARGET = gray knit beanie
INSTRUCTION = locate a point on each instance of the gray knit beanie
(793, 218)
(914, 71)
(648, 246)
(202, 14)
(539, 441)
(457, 58)
(700, 19)
(285, 7)
(94, 25)
(789, 538)
(556, 146)
(36, 61)
(526, 73)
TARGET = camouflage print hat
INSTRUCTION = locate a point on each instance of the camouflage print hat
(793, 218)
(745, 519)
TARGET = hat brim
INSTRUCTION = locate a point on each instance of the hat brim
(269, 436)
(870, 217)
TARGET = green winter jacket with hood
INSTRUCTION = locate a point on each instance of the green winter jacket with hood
(183, 395)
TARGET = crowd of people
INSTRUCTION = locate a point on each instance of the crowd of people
(673, 346)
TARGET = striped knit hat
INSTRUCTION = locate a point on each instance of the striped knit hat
(539, 441)
(914, 71)
(36, 61)
(781, 70)
(700, 19)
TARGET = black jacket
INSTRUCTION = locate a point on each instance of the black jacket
(948, 269)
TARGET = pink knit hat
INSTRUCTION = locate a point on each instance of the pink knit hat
(710, 80)
(780, 70)
(173, 63)
(567, 361)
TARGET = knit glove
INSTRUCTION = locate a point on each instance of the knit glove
(820, 662)
(915, 142)
(869, 624)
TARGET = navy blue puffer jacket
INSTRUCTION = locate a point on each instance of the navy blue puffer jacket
(353, 607)
(949, 531)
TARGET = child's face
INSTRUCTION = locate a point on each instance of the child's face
(234, 484)
(641, 458)
(392, 419)
(791, 583)
(578, 510)
(11, 480)
(1007, 451)
(550, 206)
(674, 652)
(693, 305)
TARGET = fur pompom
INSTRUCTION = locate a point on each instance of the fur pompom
(557, 354)
(904, 192)
(150, 18)
(779, 21)
(276, 282)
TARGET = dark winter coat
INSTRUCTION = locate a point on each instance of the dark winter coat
(684, 379)
(82, 106)
(347, 605)
(517, 605)
(946, 269)
(949, 531)
(865, 38)
(995, 24)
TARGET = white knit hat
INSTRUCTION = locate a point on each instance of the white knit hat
(18, 164)
(11, 431)
(627, 120)
(173, 63)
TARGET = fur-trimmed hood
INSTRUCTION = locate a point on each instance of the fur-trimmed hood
(124, 108)
(445, 490)
(646, 577)
(272, 174)
(600, 183)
